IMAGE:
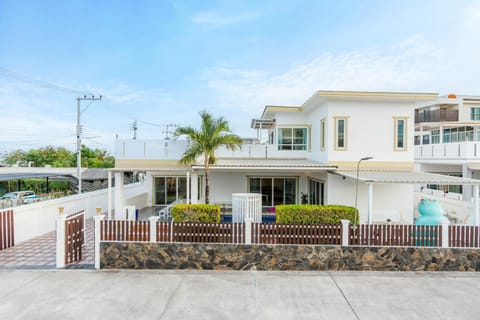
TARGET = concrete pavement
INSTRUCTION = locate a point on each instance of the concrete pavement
(148, 294)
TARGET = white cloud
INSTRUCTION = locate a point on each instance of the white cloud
(406, 70)
(216, 19)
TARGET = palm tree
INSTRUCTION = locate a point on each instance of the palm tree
(214, 133)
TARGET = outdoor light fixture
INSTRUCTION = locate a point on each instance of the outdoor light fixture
(356, 189)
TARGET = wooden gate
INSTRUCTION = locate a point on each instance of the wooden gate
(74, 237)
(6, 229)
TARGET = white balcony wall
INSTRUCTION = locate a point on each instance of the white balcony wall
(173, 150)
(448, 151)
(262, 151)
(150, 149)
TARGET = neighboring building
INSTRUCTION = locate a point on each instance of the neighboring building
(447, 141)
(312, 150)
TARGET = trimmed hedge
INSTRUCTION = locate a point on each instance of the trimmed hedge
(314, 214)
(196, 213)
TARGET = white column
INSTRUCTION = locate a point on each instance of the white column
(118, 193)
(153, 228)
(109, 208)
(445, 225)
(194, 188)
(345, 227)
(467, 189)
(188, 187)
(61, 241)
(475, 205)
(248, 231)
(97, 220)
(370, 203)
(441, 134)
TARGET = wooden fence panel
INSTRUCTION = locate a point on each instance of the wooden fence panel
(463, 236)
(207, 232)
(296, 234)
(124, 230)
(164, 230)
(7, 238)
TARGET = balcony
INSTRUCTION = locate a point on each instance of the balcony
(439, 115)
(448, 151)
(174, 149)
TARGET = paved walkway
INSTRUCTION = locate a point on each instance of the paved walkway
(90, 294)
(40, 252)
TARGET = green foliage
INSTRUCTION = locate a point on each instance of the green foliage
(62, 158)
(314, 214)
(213, 133)
(196, 213)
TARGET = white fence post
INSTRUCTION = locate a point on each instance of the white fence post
(248, 230)
(153, 228)
(445, 240)
(61, 240)
(345, 229)
(97, 220)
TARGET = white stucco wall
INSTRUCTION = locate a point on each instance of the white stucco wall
(390, 201)
(223, 184)
(370, 130)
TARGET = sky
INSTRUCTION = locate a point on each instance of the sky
(162, 62)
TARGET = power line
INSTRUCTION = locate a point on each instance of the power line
(38, 82)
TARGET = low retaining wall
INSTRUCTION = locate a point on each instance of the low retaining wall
(136, 255)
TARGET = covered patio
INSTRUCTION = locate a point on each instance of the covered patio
(371, 178)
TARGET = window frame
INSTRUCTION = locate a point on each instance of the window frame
(396, 140)
(345, 133)
(323, 134)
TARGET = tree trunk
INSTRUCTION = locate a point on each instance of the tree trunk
(207, 187)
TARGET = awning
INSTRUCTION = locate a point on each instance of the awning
(268, 164)
(405, 177)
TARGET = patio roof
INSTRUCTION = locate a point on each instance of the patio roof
(271, 164)
(405, 177)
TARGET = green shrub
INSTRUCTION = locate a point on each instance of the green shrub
(196, 213)
(314, 214)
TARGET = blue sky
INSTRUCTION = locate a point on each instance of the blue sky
(161, 62)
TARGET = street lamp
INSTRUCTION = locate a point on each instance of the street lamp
(356, 188)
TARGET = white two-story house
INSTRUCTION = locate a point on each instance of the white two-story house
(311, 155)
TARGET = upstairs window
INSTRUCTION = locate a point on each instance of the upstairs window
(323, 138)
(475, 113)
(341, 125)
(292, 138)
(400, 136)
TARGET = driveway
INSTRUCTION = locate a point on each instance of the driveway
(148, 294)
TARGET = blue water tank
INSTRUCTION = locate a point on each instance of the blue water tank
(431, 213)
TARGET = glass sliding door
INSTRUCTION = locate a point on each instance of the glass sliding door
(169, 189)
(315, 191)
(274, 190)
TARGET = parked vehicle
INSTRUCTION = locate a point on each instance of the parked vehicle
(19, 196)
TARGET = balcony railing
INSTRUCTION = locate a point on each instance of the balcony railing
(439, 115)
(451, 151)
(173, 150)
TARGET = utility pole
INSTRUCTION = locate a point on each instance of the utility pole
(134, 128)
(167, 131)
(79, 139)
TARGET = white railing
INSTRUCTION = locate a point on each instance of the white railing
(454, 150)
(247, 207)
(174, 149)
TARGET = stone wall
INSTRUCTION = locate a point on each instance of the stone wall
(135, 255)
